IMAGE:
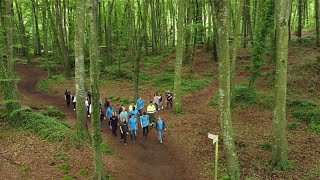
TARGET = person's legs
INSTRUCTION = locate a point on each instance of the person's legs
(125, 137)
(147, 128)
(144, 131)
(160, 136)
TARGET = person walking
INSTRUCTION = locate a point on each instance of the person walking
(169, 96)
(106, 103)
(123, 131)
(140, 105)
(74, 100)
(114, 123)
(109, 113)
(102, 117)
(160, 126)
(131, 106)
(134, 112)
(86, 102)
(144, 119)
(151, 109)
(133, 126)
(156, 101)
(124, 115)
(67, 97)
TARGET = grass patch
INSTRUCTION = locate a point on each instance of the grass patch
(315, 172)
(65, 168)
(214, 101)
(24, 168)
(113, 72)
(84, 172)
(60, 157)
(67, 178)
(312, 90)
(54, 112)
(46, 127)
(105, 148)
(125, 101)
(114, 98)
(307, 111)
(165, 81)
(171, 126)
(293, 126)
(46, 84)
(266, 101)
(266, 146)
(246, 95)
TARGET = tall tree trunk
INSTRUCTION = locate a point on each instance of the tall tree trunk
(279, 152)
(45, 34)
(317, 14)
(81, 127)
(144, 25)
(222, 13)
(62, 42)
(99, 172)
(234, 50)
(300, 5)
(23, 35)
(179, 57)
(36, 21)
(109, 32)
(10, 86)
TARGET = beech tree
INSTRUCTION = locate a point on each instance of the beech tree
(99, 172)
(279, 152)
(82, 128)
(179, 57)
(222, 15)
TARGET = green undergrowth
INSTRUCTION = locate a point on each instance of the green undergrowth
(46, 84)
(53, 112)
(105, 148)
(307, 111)
(46, 127)
(165, 81)
(113, 72)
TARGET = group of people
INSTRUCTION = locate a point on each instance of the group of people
(128, 121)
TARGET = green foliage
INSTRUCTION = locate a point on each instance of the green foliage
(215, 101)
(60, 157)
(105, 148)
(113, 72)
(266, 101)
(164, 81)
(296, 91)
(47, 128)
(317, 58)
(84, 172)
(114, 98)
(124, 101)
(24, 168)
(45, 85)
(171, 126)
(266, 146)
(312, 90)
(307, 111)
(286, 166)
(65, 168)
(315, 172)
(245, 94)
(293, 126)
(54, 112)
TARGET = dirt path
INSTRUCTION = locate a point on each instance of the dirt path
(142, 160)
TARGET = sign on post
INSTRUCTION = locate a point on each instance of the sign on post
(215, 140)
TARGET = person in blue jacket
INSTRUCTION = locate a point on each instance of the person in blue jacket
(140, 105)
(144, 124)
(133, 127)
(134, 112)
(160, 126)
(109, 112)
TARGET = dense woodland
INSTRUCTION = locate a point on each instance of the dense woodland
(94, 43)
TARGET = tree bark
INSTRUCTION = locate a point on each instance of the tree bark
(81, 125)
(300, 5)
(36, 21)
(23, 35)
(222, 13)
(177, 109)
(99, 172)
(317, 9)
(279, 152)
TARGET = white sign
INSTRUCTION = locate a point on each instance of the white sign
(213, 137)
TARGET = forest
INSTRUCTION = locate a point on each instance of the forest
(119, 89)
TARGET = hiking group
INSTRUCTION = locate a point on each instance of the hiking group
(128, 121)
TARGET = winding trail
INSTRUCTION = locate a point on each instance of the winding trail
(146, 159)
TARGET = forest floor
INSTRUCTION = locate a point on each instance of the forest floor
(187, 153)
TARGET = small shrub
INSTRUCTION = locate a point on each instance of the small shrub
(312, 90)
(246, 94)
(317, 58)
(314, 127)
(266, 102)
(52, 111)
(60, 157)
(114, 98)
(171, 126)
(215, 101)
(124, 101)
(293, 126)
(64, 167)
(296, 91)
(315, 172)
(309, 115)
(105, 148)
(84, 172)
(24, 168)
(266, 146)
(45, 85)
